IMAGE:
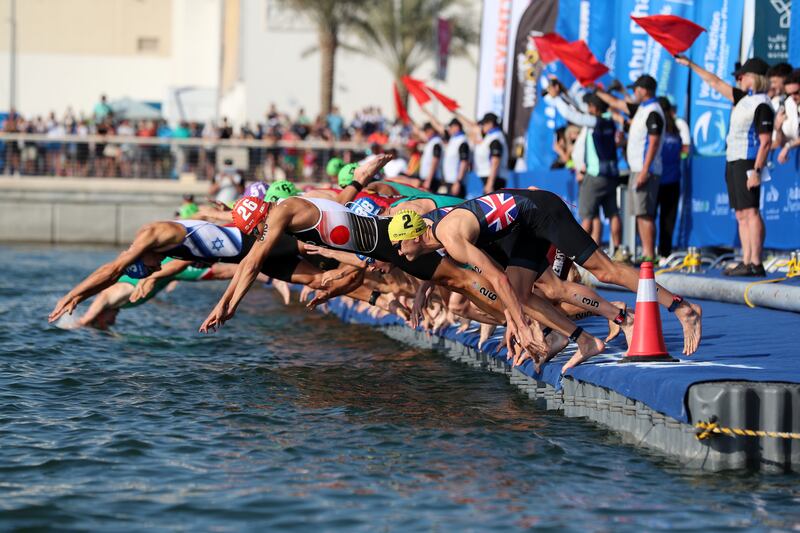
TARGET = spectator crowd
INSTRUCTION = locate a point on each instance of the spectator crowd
(105, 154)
(608, 136)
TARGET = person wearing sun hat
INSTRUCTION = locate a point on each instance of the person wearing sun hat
(748, 143)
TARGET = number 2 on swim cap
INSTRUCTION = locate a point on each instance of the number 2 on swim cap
(407, 221)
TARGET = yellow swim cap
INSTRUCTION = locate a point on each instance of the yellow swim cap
(405, 225)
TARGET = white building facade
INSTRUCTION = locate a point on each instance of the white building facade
(196, 58)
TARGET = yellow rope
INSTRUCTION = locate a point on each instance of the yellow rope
(794, 271)
(690, 261)
(706, 429)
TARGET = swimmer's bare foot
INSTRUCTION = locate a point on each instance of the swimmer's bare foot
(487, 330)
(371, 167)
(626, 327)
(588, 346)
(463, 327)
(283, 289)
(690, 316)
(556, 342)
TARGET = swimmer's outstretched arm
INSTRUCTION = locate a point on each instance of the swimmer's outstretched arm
(105, 276)
(463, 251)
(168, 270)
(248, 270)
(112, 297)
(346, 258)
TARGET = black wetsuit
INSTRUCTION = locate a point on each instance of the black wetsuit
(525, 223)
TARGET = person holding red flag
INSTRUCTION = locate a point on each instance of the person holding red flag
(748, 144)
(644, 156)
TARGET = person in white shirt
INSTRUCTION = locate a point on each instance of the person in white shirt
(430, 165)
(787, 122)
(644, 156)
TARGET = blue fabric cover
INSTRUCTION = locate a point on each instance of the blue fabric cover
(739, 344)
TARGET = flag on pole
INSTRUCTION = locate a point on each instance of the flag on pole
(417, 90)
(449, 103)
(545, 45)
(580, 61)
(674, 33)
(402, 112)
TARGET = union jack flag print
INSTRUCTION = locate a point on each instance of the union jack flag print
(500, 210)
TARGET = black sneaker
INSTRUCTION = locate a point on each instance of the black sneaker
(742, 269)
(757, 271)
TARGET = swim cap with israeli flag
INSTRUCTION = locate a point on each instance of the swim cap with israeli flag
(405, 225)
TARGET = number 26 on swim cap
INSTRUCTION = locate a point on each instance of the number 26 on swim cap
(244, 210)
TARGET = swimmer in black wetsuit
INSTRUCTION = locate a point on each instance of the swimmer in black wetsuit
(535, 219)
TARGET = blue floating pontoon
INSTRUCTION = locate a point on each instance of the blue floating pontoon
(745, 377)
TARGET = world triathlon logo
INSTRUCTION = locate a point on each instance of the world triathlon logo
(709, 133)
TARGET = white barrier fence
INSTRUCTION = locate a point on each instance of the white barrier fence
(155, 157)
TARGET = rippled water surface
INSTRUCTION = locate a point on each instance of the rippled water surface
(291, 420)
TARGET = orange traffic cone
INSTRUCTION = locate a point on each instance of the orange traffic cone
(648, 340)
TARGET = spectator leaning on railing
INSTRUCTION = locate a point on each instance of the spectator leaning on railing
(749, 140)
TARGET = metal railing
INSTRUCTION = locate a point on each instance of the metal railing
(154, 157)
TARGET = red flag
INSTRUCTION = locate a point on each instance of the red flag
(417, 90)
(449, 103)
(402, 113)
(545, 45)
(580, 61)
(676, 34)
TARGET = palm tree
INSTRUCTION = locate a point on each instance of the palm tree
(400, 33)
(329, 16)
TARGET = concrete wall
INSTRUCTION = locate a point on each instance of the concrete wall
(86, 210)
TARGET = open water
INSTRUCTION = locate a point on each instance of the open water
(291, 420)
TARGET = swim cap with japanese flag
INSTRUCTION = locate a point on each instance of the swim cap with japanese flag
(405, 225)
(248, 212)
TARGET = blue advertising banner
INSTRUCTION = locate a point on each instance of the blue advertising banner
(717, 51)
(711, 221)
(637, 53)
(794, 37)
(544, 120)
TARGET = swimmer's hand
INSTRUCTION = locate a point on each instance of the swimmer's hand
(143, 288)
(320, 297)
(67, 304)
(219, 315)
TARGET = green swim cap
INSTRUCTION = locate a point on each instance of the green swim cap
(280, 189)
(334, 166)
(188, 210)
(346, 174)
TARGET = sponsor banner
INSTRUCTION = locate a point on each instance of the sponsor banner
(711, 221)
(771, 31)
(716, 50)
(794, 37)
(637, 53)
(574, 20)
(525, 87)
(494, 55)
